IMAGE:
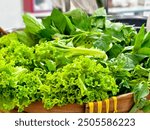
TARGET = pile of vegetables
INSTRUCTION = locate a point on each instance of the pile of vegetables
(73, 58)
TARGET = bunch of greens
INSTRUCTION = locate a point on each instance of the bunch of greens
(73, 58)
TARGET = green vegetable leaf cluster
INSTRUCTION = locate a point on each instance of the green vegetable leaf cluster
(73, 58)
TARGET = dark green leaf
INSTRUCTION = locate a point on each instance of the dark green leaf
(47, 21)
(115, 51)
(79, 18)
(25, 38)
(146, 42)
(61, 22)
(139, 39)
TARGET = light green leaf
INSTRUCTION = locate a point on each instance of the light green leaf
(32, 24)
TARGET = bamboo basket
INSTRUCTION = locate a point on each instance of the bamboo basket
(122, 103)
(119, 104)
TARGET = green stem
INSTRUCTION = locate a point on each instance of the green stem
(116, 39)
(72, 51)
(91, 52)
(134, 109)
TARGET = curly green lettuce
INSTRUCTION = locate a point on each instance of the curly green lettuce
(18, 87)
(82, 81)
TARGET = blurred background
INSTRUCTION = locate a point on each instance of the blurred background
(11, 10)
